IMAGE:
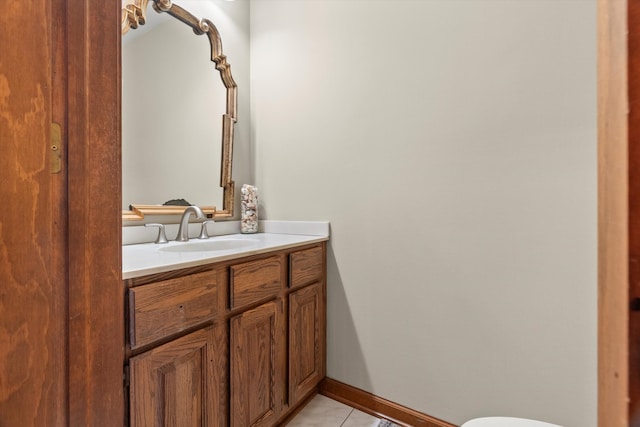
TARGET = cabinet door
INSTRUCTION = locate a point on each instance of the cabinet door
(257, 366)
(175, 384)
(307, 340)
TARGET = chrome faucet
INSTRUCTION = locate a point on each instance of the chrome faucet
(183, 231)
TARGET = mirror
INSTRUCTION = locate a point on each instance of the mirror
(178, 113)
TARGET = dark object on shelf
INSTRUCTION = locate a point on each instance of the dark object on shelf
(176, 202)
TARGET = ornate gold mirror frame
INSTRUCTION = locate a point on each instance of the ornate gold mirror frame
(133, 15)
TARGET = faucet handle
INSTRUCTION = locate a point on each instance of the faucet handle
(162, 237)
(203, 231)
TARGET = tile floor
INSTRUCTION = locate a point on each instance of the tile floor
(324, 412)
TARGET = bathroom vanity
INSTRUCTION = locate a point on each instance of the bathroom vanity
(226, 331)
(236, 339)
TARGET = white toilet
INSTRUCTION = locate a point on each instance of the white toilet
(506, 422)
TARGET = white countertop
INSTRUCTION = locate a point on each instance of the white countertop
(149, 258)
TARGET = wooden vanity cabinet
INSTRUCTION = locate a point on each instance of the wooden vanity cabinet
(306, 341)
(258, 365)
(177, 348)
(239, 343)
(175, 384)
(307, 321)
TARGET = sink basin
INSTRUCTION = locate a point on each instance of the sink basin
(212, 245)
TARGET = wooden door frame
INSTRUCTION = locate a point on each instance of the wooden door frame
(96, 295)
(618, 211)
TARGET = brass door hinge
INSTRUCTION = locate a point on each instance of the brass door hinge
(56, 148)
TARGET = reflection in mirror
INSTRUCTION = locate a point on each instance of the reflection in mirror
(177, 113)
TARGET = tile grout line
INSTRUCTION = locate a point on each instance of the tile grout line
(345, 420)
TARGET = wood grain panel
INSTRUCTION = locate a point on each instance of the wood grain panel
(257, 366)
(255, 281)
(633, 40)
(96, 298)
(307, 338)
(33, 348)
(613, 227)
(220, 379)
(305, 266)
(161, 309)
(172, 385)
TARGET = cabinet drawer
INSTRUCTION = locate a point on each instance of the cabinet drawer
(163, 308)
(305, 266)
(255, 280)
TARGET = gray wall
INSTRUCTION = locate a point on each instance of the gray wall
(452, 145)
